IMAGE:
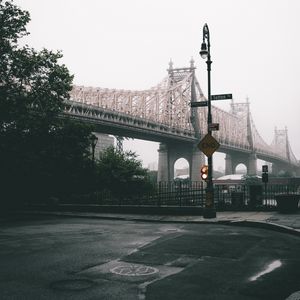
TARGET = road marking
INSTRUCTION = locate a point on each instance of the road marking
(133, 270)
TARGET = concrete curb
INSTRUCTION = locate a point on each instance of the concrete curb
(167, 219)
(266, 225)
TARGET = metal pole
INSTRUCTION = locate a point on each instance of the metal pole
(209, 210)
(93, 154)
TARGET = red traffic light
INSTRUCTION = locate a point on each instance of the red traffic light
(204, 172)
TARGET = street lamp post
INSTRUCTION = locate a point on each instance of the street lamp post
(209, 210)
(94, 141)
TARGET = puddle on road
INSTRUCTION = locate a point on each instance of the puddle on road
(171, 230)
(270, 267)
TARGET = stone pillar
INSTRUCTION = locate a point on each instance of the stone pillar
(163, 163)
(228, 165)
(196, 163)
(252, 164)
(104, 141)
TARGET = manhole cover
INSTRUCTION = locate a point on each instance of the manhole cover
(72, 284)
(294, 296)
(133, 270)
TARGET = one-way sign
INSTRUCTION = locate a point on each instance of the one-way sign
(221, 97)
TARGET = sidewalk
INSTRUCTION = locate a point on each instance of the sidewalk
(289, 223)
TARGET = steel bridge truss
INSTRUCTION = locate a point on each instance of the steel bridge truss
(168, 106)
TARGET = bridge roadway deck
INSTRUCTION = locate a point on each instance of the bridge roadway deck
(122, 124)
(116, 123)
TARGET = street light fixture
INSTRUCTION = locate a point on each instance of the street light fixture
(209, 210)
(203, 51)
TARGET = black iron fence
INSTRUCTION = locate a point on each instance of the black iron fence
(188, 194)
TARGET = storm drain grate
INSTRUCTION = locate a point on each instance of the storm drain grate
(133, 270)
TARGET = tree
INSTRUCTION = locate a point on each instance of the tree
(41, 153)
(33, 84)
(251, 180)
(122, 174)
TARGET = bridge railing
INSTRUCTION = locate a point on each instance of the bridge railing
(95, 113)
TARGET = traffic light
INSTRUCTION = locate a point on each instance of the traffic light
(204, 172)
(265, 168)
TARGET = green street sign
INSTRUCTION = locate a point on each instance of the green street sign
(199, 104)
(221, 97)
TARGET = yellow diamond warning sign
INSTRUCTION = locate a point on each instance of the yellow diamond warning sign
(208, 145)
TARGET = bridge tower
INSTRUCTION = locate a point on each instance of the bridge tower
(281, 142)
(234, 158)
(169, 152)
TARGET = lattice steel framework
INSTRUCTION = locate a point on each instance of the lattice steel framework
(168, 103)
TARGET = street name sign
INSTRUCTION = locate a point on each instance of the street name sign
(213, 126)
(212, 97)
(199, 104)
(208, 145)
(221, 97)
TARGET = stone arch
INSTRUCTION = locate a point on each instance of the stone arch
(240, 168)
(181, 168)
(169, 153)
(234, 159)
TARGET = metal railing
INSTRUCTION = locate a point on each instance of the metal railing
(189, 194)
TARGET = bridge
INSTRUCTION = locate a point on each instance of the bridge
(163, 114)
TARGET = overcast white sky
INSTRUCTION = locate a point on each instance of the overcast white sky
(127, 44)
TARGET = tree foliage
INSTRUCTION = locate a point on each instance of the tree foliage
(252, 180)
(41, 154)
(122, 174)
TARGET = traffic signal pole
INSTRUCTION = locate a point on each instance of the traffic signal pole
(209, 210)
(208, 145)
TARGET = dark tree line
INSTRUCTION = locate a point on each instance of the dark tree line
(41, 154)
(122, 174)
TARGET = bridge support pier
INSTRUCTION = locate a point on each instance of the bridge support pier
(163, 163)
(197, 162)
(232, 160)
(228, 164)
(168, 153)
(252, 164)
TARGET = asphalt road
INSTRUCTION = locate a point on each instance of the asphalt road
(81, 258)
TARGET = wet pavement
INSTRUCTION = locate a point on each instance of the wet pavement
(264, 219)
(110, 257)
